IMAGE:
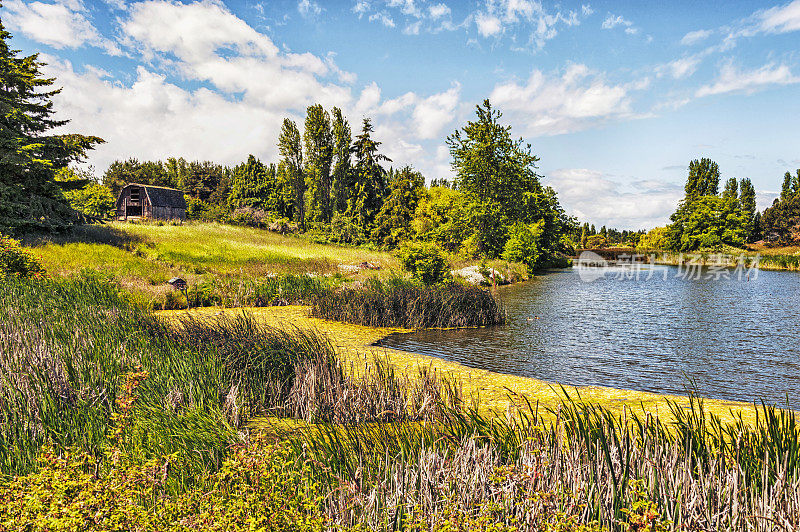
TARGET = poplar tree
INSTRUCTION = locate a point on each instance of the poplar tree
(291, 149)
(342, 174)
(318, 139)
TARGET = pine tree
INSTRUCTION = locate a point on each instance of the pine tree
(30, 198)
(370, 179)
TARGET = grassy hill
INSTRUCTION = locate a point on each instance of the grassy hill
(144, 256)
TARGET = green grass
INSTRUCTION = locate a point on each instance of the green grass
(144, 256)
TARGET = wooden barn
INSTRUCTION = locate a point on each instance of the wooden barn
(148, 202)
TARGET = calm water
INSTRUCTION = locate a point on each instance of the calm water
(736, 339)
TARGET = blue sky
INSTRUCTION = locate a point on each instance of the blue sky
(615, 97)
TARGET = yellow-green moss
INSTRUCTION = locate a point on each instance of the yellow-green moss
(495, 391)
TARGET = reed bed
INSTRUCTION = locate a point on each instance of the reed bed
(67, 347)
(400, 303)
(583, 468)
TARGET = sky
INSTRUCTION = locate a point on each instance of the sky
(615, 98)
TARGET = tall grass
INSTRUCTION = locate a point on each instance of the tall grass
(583, 466)
(399, 303)
(67, 346)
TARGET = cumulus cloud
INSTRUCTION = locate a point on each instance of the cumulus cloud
(497, 17)
(550, 105)
(732, 79)
(593, 196)
(62, 24)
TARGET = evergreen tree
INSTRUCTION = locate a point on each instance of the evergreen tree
(319, 145)
(251, 185)
(498, 175)
(786, 189)
(747, 204)
(584, 235)
(370, 179)
(291, 150)
(30, 198)
(393, 223)
(703, 179)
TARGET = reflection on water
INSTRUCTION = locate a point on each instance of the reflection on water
(735, 339)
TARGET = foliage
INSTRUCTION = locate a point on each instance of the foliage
(17, 261)
(706, 220)
(655, 238)
(426, 262)
(441, 218)
(369, 179)
(30, 198)
(393, 222)
(780, 223)
(319, 150)
(291, 151)
(497, 175)
(524, 245)
(85, 195)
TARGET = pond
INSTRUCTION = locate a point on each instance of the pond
(730, 334)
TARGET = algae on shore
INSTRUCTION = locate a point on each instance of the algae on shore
(494, 392)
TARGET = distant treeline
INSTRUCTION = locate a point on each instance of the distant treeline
(708, 220)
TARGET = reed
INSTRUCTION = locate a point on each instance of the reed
(583, 467)
(401, 303)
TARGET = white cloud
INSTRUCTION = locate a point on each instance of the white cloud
(694, 37)
(586, 10)
(383, 18)
(680, 68)
(309, 8)
(731, 79)
(433, 113)
(438, 11)
(550, 105)
(781, 19)
(62, 24)
(488, 25)
(595, 197)
(517, 16)
(612, 22)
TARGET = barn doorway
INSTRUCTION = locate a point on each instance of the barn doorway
(132, 210)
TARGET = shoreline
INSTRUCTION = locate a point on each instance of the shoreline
(491, 389)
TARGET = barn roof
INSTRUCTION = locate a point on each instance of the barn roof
(163, 196)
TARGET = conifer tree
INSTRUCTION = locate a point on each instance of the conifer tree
(30, 197)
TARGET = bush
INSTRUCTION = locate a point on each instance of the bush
(523, 245)
(17, 261)
(425, 261)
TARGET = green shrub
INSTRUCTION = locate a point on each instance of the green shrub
(523, 245)
(425, 261)
(17, 261)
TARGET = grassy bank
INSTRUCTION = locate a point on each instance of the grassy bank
(142, 257)
(766, 258)
(217, 419)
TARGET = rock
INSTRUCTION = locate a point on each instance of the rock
(473, 275)
(283, 227)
